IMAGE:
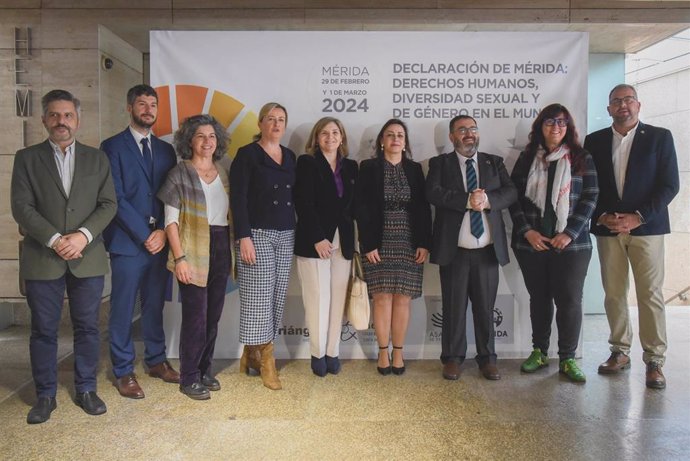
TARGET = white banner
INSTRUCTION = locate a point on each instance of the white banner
(365, 78)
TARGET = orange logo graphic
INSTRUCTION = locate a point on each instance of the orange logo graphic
(191, 100)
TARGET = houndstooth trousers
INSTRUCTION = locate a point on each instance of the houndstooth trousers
(263, 286)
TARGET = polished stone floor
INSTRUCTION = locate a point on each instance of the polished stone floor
(359, 414)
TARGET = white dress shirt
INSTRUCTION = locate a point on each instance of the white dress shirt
(620, 148)
(138, 137)
(65, 166)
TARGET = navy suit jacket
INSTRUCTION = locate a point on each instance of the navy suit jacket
(651, 180)
(319, 209)
(445, 189)
(135, 191)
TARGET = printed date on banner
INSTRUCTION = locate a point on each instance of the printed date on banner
(344, 105)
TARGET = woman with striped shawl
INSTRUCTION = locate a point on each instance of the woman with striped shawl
(198, 224)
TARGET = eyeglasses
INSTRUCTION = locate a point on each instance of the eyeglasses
(619, 101)
(463, 131)
(562, 122)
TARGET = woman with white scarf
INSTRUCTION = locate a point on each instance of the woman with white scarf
(557, 193)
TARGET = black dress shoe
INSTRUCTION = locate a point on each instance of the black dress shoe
(196, 391)
(90, 402)
(385, 371)
(40, 413)
(210, 382)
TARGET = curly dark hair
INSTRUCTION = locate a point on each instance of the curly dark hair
(184, 134)
(379, 148)
(571, 139)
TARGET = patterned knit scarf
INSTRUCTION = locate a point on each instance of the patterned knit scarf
(537, 182)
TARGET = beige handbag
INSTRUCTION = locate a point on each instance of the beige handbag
(357, 309)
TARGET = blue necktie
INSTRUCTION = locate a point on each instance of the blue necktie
(148, 158)
(476, 226)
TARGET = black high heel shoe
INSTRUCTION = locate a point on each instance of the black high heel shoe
(384, 370)
(397, 370)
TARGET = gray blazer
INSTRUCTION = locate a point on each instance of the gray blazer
(41, 208)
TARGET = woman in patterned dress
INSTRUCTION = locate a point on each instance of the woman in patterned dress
(394, 222)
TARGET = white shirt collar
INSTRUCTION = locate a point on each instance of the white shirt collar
(633, 130)
(57, 149)
(138, 136)
(464, 159)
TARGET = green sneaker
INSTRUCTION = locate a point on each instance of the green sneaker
(535, 361)
(569, 368)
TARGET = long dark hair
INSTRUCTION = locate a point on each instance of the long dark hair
(571, 138)
(407, 152)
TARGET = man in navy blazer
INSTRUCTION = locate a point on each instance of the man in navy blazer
(135, 239)
(468, 248)
(638, 177)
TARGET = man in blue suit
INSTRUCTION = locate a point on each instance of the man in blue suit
(638, 177)
(136, 241)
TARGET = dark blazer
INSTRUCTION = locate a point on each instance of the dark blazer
(261, 190)
(445, 190)
(319, 209)
(135, 191)
(651, 180)
(369, 204)
(41, 208)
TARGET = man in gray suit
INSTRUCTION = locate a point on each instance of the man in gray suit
(469, 190)
(62, 199)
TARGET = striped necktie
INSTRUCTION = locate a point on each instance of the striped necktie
(476, 225)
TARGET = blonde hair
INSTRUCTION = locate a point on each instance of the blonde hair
(312, 146)
(265, 109)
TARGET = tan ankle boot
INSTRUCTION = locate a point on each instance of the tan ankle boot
(269, 374)
(250, 360)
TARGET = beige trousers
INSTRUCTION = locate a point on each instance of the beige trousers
(645, 255)
(324, 287)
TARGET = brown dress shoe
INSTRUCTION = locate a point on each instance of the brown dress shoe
(617, 362)
(451, 370)
(655, 378)
(490, 371)
(128, 386)
(165, 372)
